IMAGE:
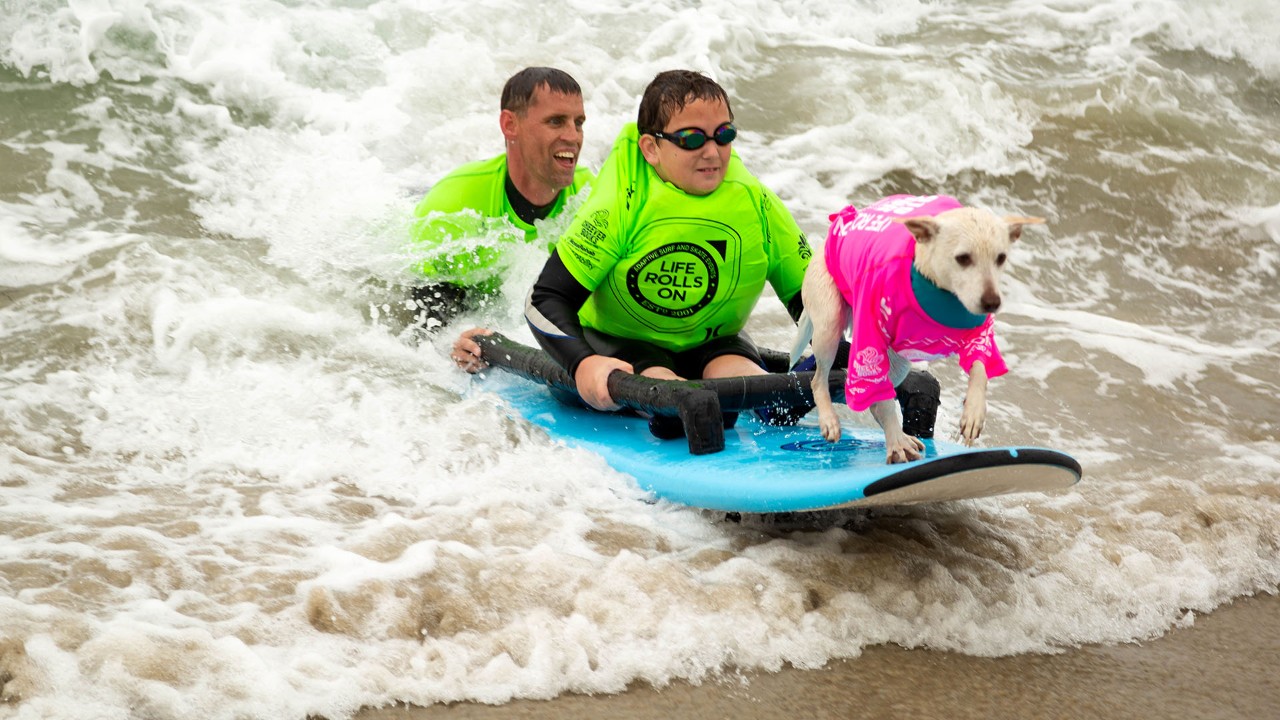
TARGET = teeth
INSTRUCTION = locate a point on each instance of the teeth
(565, 155)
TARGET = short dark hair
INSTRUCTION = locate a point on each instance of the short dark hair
(670, 91)
(518, 92)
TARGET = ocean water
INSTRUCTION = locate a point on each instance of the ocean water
(233, 486)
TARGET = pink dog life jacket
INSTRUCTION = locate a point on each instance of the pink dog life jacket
(870, 258)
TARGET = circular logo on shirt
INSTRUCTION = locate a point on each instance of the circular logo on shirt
(675, 280)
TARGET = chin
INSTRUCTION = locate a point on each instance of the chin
(705, 187)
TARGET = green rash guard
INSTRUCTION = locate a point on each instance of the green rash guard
(463, 208)
(675, 269)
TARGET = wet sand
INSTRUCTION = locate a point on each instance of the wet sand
(1225, 666)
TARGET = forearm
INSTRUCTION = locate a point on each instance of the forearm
(552, 314)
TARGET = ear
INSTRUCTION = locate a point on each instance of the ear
(649, 148)
(509, 124)
(1015, 224)
(923, 228)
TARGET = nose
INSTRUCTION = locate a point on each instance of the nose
(990, 301)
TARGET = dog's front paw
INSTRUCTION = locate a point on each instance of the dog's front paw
(971, 424)
(830, 427)
(902, 448)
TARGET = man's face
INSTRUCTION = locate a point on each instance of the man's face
(546, 139)
(697, 172)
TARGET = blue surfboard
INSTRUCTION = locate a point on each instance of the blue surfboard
(768, 469)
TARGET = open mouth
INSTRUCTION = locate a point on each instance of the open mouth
(566, 158)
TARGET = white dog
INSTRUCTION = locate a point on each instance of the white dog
(917, 278)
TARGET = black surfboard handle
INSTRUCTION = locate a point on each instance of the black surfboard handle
(698, 403)
(697, 408)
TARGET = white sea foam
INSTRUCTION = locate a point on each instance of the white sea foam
(225, 492)
(32, 257)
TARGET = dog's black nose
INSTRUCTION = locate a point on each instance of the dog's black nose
(990, 303)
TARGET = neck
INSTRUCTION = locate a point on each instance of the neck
(526, 209)
(942, 305)
(532, 190)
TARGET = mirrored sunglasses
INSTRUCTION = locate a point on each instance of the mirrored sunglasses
(692, 138)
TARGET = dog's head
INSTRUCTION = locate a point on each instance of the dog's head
(964, 250)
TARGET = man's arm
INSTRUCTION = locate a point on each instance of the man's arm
(466, 352)
(453, 237)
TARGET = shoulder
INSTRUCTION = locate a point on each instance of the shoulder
(472, 186)
(478, 169)
(582, 177)
(624, 155)
(620, 176)
(737, 176)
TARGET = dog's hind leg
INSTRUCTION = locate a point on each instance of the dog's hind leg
(829, 316)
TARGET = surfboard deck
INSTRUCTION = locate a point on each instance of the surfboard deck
(768, 469)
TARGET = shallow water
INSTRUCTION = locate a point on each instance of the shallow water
(230, 486)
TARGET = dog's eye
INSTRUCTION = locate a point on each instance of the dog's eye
(964, 260)
(1000, 259)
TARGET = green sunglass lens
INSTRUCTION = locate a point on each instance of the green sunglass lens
(690, 139)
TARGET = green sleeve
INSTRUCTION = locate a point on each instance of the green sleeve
(458, 227)
(789, 251)
(473, 186)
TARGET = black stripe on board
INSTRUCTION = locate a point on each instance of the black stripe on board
(913, 473)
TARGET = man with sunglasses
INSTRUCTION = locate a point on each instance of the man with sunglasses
(663, 263)
(541, 120)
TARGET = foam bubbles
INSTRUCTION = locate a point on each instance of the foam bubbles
(226, 492)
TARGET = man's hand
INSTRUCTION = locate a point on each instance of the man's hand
(466, 352)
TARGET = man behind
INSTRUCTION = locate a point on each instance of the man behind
(661, 267)
(541, 120)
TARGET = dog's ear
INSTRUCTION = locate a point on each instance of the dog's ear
(923, 228)
(1015, 224)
